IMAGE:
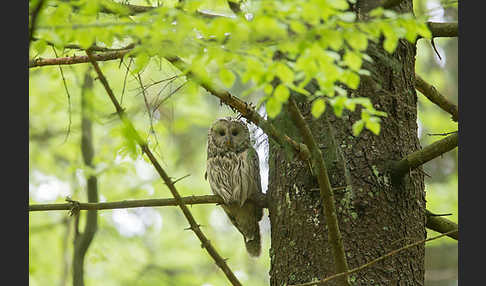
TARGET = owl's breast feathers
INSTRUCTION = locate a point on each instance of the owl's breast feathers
(229, 177)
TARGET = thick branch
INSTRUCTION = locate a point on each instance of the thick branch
(327, 195)
(418, 158)
(194, 226)
(442, 225)
(433, 95)
(391, 253)
(443, 29)
(193, 200)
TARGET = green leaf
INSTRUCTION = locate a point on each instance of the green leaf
(39, 46)
(273, 107)
(347, 16)
(391, 38)
(338, 4)
(141, 62)
(284, 73)
(424, 31)
(268, 88)
(338, 105)
(281, 93)
(298, 27)
(352, 60)
(331, 38)
(318, 107)
(373, 124)
(357, 40)
(377, 12)
(350, 78)
(227, 77)
(357, 127)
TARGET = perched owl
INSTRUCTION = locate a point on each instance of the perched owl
(233, 172)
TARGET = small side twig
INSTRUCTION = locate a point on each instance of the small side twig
(69, 100)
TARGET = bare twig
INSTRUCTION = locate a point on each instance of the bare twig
(418, 158)
(167, 180)
(391, 253)
(433, 95)
(327, 196)
(68, 98)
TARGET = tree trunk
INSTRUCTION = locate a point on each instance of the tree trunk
(375, 214)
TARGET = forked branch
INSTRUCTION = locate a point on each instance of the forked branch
(194, 226)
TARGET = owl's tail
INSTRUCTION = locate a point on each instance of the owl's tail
(254, 246)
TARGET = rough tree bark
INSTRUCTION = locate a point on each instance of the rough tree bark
(375, 215)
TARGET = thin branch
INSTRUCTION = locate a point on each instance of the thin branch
(78, 59)
(192, 200)
(441, 225)
(391, 253)
(433, 95)
(194, 226)
(418, 158)
(83, 241)
(68, 98)
(327, 196)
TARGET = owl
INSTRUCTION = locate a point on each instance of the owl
(233, 172)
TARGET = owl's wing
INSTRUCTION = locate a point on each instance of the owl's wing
(251, 173)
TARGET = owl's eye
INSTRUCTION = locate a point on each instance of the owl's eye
(234, 132)
(221, 132)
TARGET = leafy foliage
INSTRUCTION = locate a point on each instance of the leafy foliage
(294, 41)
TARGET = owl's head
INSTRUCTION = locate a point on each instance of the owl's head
(229, 134)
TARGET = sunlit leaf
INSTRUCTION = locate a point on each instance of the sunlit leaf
(227, 77)
(273, 107)
(281, 93)
(318, 107)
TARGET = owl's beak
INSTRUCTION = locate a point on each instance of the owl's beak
(228, 142)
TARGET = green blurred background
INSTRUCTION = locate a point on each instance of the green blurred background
(149, 246)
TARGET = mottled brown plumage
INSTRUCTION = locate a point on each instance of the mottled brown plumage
(233, 172)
